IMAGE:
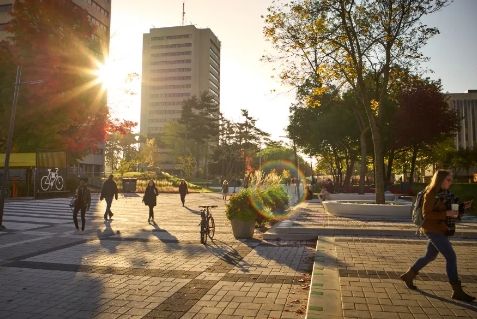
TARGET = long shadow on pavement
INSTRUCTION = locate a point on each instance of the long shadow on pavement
(469, 306)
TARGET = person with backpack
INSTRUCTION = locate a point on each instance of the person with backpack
(433, 214)
(82, 203)
(183, 191)
(108, 191)
(150, 199)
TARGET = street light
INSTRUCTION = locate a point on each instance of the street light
(297, 165)
(8, 149)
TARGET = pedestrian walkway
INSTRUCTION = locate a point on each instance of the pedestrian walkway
(358, 263)
(128, 268)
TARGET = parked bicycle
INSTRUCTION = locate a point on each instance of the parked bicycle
(53, 179)
(207, 224)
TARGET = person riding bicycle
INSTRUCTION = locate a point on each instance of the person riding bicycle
(108, 191)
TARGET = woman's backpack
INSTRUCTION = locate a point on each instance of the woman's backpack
(416, 211)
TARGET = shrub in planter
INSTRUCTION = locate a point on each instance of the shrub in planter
(275, 198)
(255, 205)
(243, 210)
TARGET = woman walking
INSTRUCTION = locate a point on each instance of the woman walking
(82, 203)
(149, 199)
(437, 213)
(183, 191)
(225, 189)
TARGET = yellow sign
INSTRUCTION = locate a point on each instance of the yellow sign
(20, 160)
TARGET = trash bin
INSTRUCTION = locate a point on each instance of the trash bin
(129, 185)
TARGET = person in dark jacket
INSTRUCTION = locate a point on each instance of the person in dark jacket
(108, 191)
(150, 199)
(183, 191)
(82, 203)
(436, 211)
(225, 189)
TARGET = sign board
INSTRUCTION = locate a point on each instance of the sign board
(51, 169)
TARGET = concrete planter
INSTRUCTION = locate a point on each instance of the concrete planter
(369, 209)
(355, 196)
(243, 229)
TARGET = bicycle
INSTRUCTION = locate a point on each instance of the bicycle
(52, 179)
(207, 223)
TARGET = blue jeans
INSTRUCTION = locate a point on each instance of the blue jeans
(439, 244)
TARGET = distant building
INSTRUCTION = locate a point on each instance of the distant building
(99, 14)
(178, 63)
(466, 106)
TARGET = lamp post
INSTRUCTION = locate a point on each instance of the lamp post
(297, 165)
(8, 149)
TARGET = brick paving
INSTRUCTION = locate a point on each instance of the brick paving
(358, 263)
(130, 269)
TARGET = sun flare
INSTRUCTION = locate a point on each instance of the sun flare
(107, 75)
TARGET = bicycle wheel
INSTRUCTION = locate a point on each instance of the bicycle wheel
(211, 227)
(59, 184)
(45, 183)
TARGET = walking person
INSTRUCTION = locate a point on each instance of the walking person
(150, 199)
(225, 189)
(183, 191)
(108, 191)
(439, 223)
(82, 203)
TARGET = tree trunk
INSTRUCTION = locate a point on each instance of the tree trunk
(378, 160)
(363, 167)
(389, 167)
(206, 161)
(349, 173)
(415, 150)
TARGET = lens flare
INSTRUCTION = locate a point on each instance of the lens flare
(288, 172)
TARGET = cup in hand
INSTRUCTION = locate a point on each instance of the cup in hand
(455, 207)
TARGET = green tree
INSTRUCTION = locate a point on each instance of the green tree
(347, 42)
(331, 133)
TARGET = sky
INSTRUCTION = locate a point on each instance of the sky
(246, 81)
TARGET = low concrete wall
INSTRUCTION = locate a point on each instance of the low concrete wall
(366, 196)
(366, 208)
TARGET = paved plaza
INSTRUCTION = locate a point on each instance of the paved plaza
(358, 263)
(130, 269)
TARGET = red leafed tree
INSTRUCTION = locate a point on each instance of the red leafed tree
(118, 141)
(55, 44)
(422, 118)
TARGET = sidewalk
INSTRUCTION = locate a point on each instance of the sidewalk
(358, 263)
(130, 269)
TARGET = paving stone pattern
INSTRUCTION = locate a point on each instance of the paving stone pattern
(130, 269)
(356, 273)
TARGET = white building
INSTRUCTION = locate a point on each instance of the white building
(178, 63)
(466, 106)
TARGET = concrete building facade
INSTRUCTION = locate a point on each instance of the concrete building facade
(178, 63)
(99, 15)
(465, 104)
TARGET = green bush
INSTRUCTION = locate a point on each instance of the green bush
(276, 198)
(259, 204)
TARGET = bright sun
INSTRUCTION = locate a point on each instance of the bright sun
(107, 75)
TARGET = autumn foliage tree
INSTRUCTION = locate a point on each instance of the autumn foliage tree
(54, 43)
(423, 118)
(350, 45)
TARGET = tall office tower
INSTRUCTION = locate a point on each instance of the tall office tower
(99, 15)
(466, 106)
(178, 63)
